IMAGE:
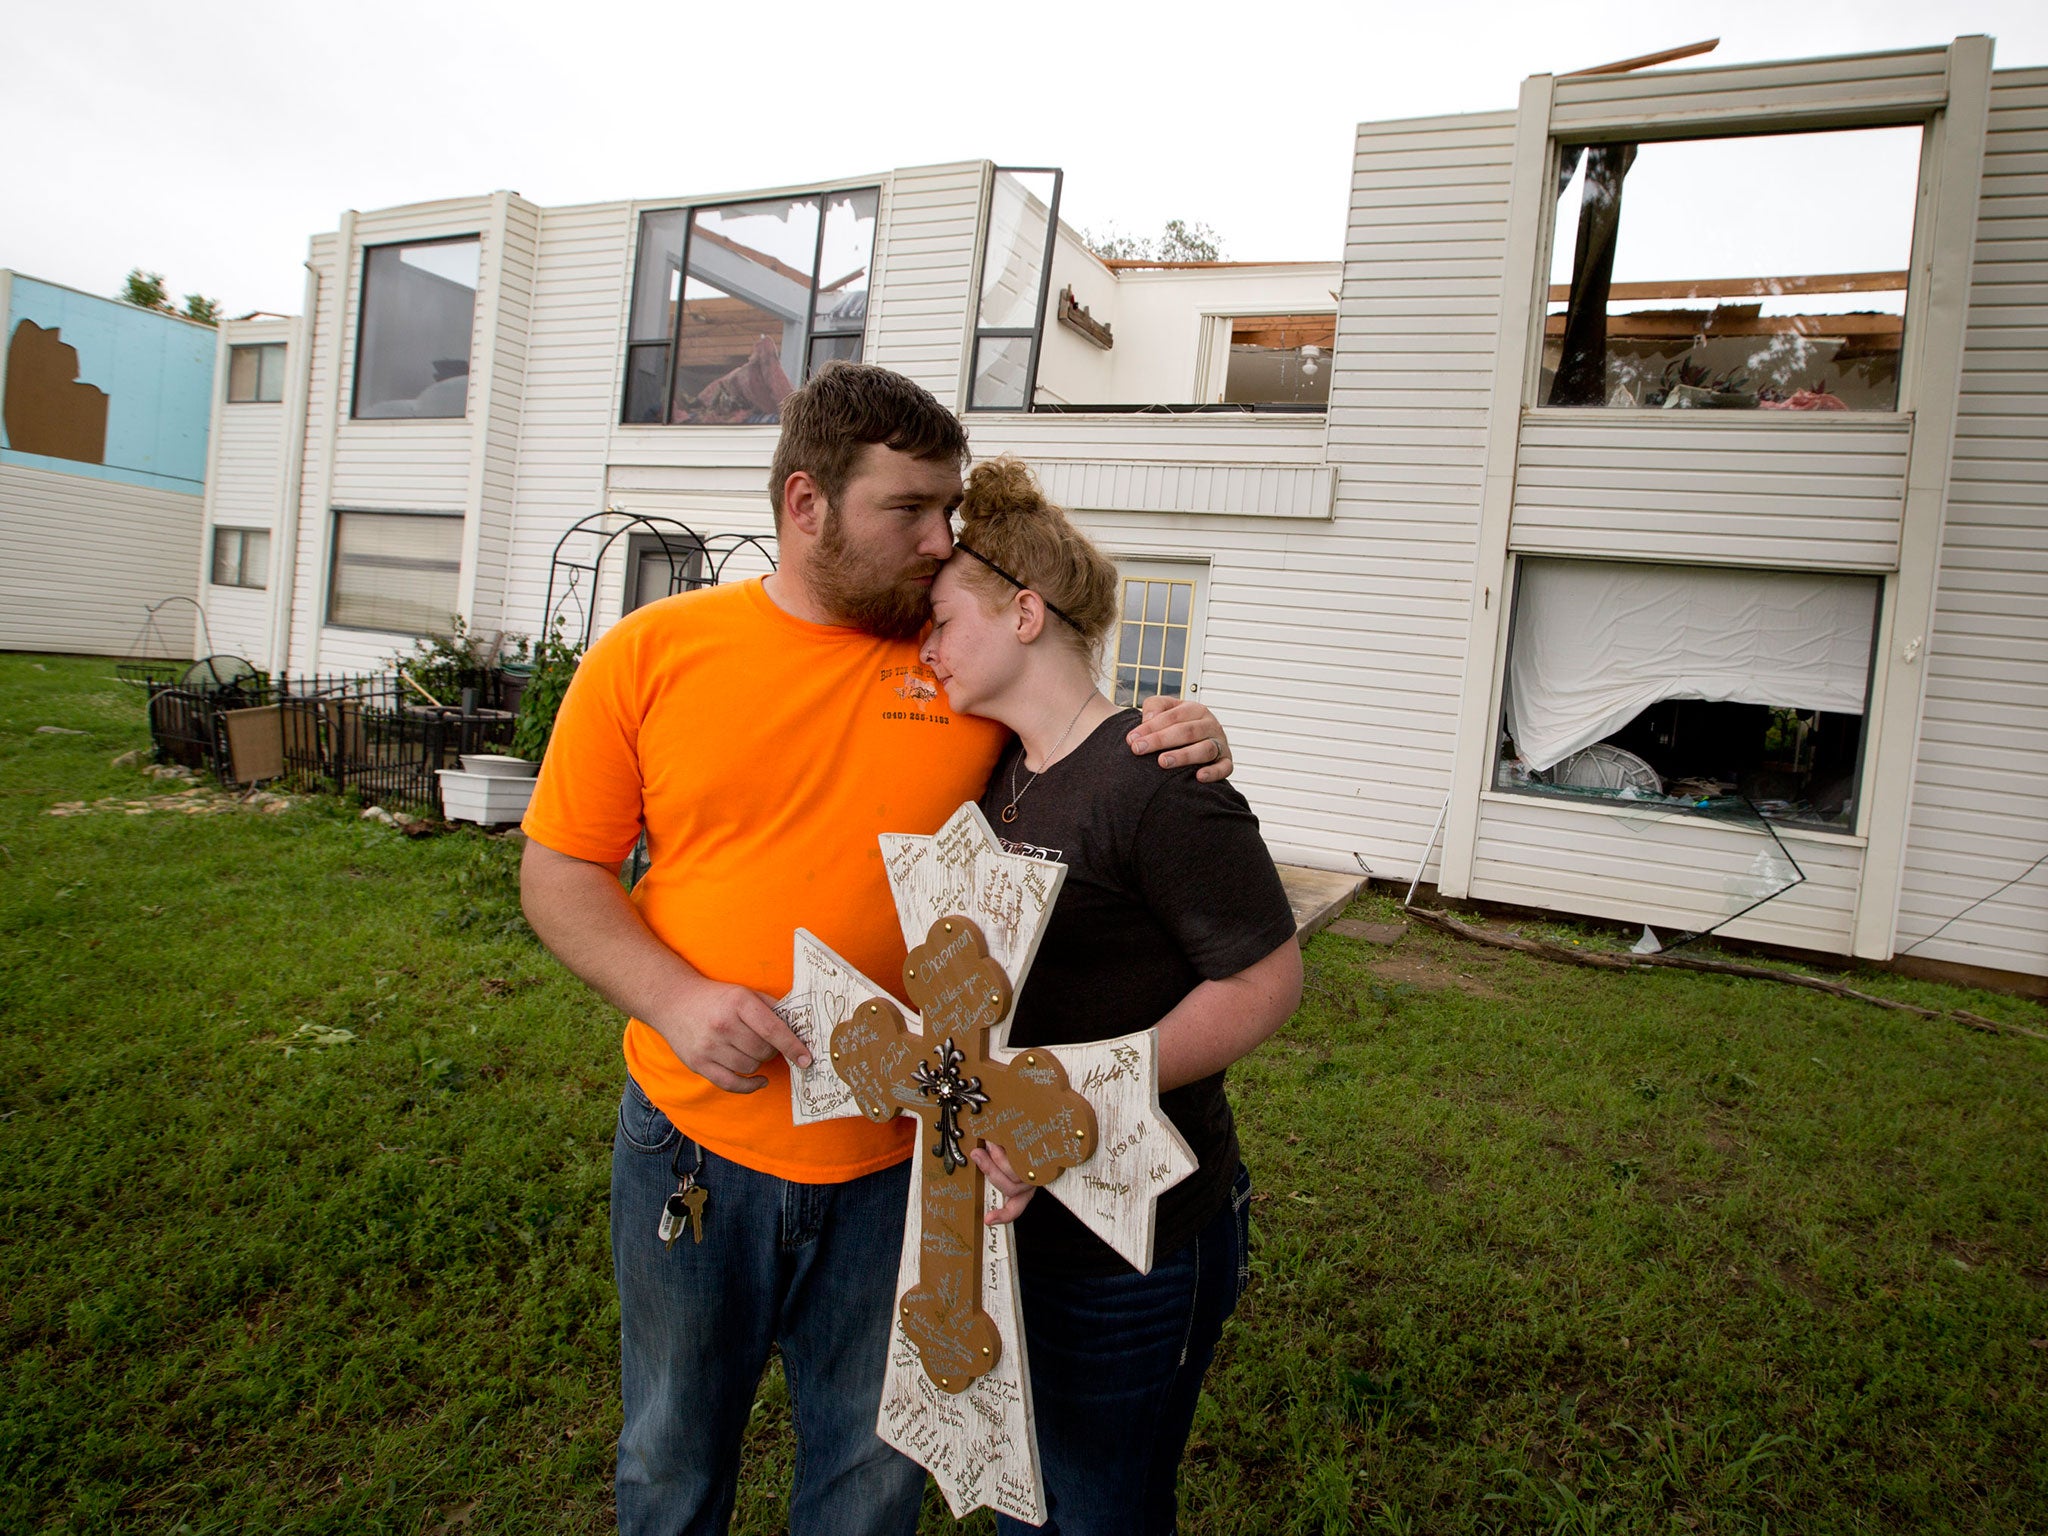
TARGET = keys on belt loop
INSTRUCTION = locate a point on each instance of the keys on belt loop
(687, 1203)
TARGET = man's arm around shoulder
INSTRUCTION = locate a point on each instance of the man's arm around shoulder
(582, 914)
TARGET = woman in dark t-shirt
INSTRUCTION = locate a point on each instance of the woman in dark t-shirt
(1172, 916)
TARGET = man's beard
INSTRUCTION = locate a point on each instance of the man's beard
(889, 605)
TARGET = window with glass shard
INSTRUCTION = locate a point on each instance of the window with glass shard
(1023, 211)
(1759, 273)
(734, 306)
(417, 317)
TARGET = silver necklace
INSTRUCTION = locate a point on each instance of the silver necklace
(1016, 794)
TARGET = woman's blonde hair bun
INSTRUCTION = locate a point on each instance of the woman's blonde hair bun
(1005, 517)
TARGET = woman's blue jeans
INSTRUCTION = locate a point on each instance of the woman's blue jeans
(810, 1268)
(1116, 1369)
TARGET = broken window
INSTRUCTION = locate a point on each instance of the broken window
(418, 311)
(1765, 272)
(1280, 359)
(734, 306)
(1023, 213)
(1689, 684)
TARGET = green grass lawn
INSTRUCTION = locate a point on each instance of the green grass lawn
(1540, 1249)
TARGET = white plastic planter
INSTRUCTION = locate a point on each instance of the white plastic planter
(488, 799)
(498, 765)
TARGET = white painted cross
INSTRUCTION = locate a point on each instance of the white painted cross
(978, 1441)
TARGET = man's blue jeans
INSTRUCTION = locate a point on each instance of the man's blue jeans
(1116, 1370)
(810, 1268)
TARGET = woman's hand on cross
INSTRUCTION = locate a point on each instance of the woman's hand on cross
(995, 1167)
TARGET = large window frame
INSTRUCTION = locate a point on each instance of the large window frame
(1035, 332)
(844, 341)
(1503, 779)
(335, 563)
(1563, 159)
(362, 410)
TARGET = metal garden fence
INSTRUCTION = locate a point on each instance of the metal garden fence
(372, 733)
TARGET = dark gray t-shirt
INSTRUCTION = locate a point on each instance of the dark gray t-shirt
(1168, 885)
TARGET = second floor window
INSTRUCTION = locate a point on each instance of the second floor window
(1759, 273)
(735, 305)
(256, 374)
(1016, 259)
(1280, 359)
(418, 312)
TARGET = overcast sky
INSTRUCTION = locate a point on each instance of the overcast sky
(209, 141)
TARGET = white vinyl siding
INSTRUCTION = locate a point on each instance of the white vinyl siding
(1980, 801)
(575, 343)
(1701, 487)
(923, 293)
(244, 487)
(243, 490)
(1672, 871)
(309, 574)
(506, 296)
(238, 623)
(80, 557)
(1358, 635)
(1206, 464)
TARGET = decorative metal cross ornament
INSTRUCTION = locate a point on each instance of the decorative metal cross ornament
(1082, 1122)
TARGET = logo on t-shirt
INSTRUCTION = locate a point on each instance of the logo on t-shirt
(1033, 851)
(917, 689)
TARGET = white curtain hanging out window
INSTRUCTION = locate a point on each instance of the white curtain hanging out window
(1597, 642)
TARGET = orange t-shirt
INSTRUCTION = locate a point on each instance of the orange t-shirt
(765, 755)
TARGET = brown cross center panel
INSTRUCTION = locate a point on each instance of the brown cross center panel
(964, 1098)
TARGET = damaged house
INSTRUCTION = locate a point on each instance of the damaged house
(1645, 518)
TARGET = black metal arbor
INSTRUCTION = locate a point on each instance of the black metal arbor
(694, 560)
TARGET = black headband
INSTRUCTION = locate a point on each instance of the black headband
(968, 549)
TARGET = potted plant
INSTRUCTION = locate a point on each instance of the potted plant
(554, 664)
(493, 788)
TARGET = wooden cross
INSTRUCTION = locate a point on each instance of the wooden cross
(1084, 1124)
(963, 1095)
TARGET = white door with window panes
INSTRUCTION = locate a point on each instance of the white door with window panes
(1157, 646)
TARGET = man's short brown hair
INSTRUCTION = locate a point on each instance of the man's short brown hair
(844, 407)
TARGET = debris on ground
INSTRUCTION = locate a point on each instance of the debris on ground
(193, 800)
(309, 1037)
(57, 730)
(403, 821)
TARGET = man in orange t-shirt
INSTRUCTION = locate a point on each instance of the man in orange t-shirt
(765, 735)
